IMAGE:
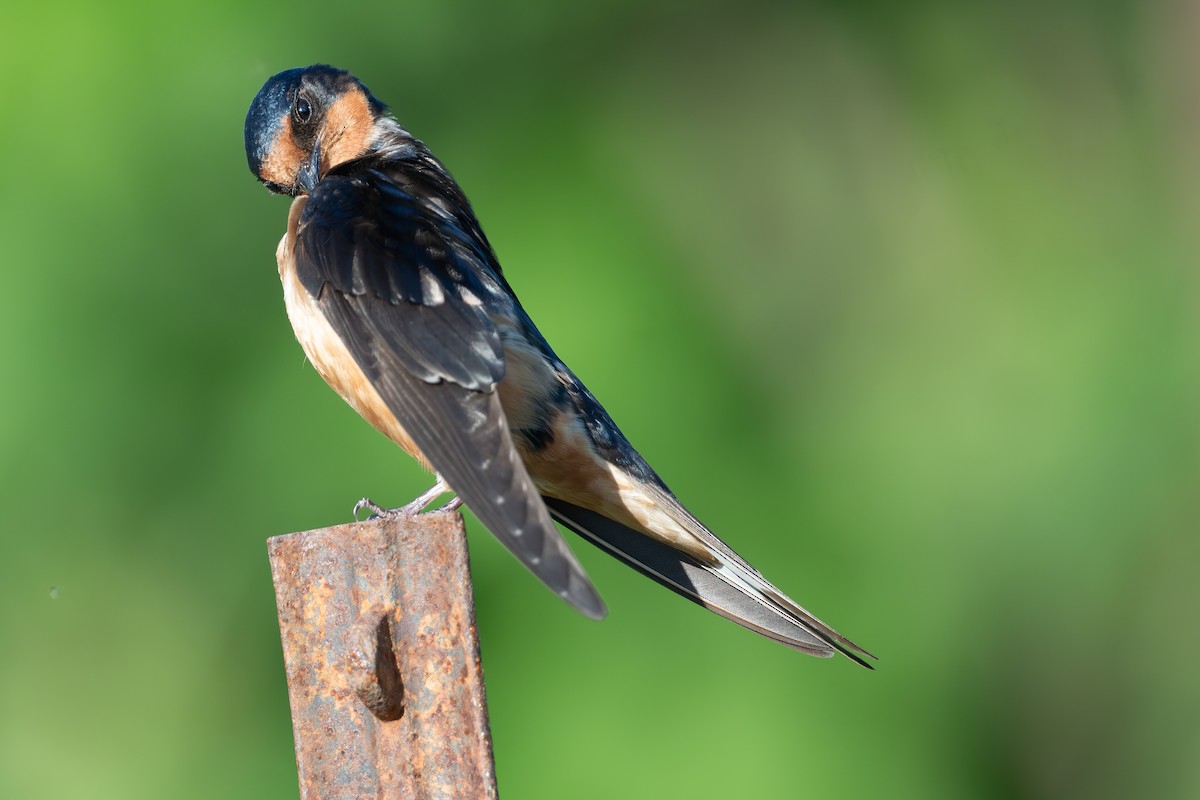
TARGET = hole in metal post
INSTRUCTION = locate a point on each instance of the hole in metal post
(377, 680)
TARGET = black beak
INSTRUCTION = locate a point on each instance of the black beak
(310, 171)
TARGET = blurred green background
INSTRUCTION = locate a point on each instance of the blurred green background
(900, 298)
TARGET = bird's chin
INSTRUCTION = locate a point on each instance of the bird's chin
(278, 188)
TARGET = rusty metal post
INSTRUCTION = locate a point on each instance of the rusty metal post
(378, 627)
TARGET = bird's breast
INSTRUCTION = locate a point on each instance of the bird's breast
(326, 350)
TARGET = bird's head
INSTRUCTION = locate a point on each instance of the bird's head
(305, 121)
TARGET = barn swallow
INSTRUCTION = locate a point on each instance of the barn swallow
(398, 300)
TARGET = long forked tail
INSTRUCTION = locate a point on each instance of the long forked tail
(735, 592)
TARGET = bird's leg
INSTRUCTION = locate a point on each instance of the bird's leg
(421, 503)
(415, 507)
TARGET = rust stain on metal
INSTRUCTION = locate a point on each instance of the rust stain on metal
(386, 689)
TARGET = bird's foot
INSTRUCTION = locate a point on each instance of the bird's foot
(415, 507)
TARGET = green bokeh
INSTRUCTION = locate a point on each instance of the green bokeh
(901, 299)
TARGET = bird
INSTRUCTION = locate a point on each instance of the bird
(398, 300)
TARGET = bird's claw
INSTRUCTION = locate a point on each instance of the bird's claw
(379, 512)
(366, 502)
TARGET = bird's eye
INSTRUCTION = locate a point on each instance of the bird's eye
(303, 110)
